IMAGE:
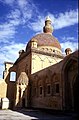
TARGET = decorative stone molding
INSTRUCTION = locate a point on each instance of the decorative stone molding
(23, 79)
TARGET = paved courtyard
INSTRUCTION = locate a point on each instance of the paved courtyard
(25, 114)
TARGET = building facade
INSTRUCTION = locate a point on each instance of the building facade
(44, 78)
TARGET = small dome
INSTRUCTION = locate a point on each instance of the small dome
(45, 39)
(68, 49)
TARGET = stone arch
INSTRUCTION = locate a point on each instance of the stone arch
(21, 93)
(48, 74)
(40, 87)
(55, 82)
(68, 60)
(36, 77)
(76, 93)
(69, 71)
(35, 85)
(47, 80)
(47, 85)
(40, 82)
(55, 77)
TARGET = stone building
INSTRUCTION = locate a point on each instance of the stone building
(44, 78)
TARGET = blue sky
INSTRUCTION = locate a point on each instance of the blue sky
(20, 20)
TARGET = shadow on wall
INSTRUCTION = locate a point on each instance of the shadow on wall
(24, 99)
(0, 103)
(11, 87)
(76, 94)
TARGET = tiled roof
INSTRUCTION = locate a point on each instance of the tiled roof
(45, 39)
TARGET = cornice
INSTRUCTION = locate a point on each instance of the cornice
(39, 52)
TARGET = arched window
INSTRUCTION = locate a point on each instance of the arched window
(40, 86)
(48, 89)
(40, 90)
(34, 91)
(57, 87)
(12, 76)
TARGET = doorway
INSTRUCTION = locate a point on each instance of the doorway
(76, 94)
(23, 102)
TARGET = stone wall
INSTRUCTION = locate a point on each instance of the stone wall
(46, 91)
(52, 87)
(11, 93)
(3, 89)
(41, 61)
(24, 66)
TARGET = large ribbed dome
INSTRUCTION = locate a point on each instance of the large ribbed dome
(45, 39)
